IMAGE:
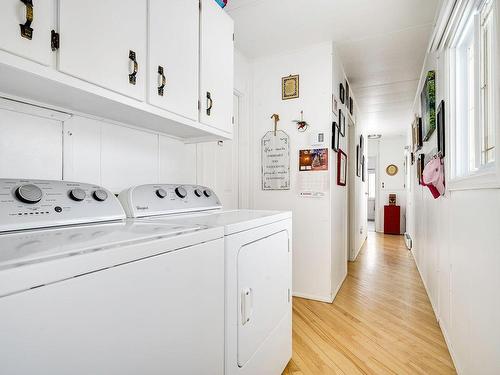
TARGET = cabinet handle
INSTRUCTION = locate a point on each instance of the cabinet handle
(210, 103)
(162, 81)
(26, 30)
(132, 76)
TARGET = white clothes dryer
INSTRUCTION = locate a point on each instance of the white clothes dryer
(258, 255)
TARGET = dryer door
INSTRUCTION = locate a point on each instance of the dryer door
(263, 288)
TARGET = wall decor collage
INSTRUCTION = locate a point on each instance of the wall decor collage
(423, 127)
(339, 130)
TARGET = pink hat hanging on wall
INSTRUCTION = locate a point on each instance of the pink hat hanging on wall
(222, 3)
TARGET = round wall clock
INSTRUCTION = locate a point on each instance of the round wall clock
(392, 170)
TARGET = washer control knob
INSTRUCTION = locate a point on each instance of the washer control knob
(29, 194)
(181, 192)
(100, 195)
(208, 193)
(198, 192)
(77, 194)
(161, 193)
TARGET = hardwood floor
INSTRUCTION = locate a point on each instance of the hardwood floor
(381, 321)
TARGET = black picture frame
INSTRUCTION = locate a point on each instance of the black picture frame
(341, 123)
(335, 136)
(358, 157)
(440, 118)
(363, 168)
(351, 106)
(347, 91)
(417, 134)
(342, 93)
(420, 168)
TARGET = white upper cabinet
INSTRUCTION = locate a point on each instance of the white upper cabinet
(216, 66)
(174, 56)
(104, 42)
(25, 28)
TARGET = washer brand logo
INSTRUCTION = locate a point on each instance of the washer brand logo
(142, 208)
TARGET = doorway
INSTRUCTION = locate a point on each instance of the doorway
(372, 193)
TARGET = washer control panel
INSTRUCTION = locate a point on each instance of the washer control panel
(152, 200)
(26, 204)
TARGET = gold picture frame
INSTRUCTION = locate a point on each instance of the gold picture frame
(290, 87)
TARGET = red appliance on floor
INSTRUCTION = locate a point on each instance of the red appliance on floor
(392, 223)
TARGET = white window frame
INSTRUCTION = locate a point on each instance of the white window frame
(487, 175)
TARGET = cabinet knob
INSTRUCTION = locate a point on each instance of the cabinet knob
(135, 68)
(26, 30)
(162, 80)
(210, 103)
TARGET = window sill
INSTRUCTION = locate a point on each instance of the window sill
(487, 179)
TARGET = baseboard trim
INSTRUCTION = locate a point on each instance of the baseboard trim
(313, 297)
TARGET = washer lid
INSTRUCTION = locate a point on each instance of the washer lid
(233, 221)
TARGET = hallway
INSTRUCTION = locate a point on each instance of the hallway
(381, 321)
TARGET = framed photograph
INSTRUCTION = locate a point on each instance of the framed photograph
(335, 105)
(342, 93)
(358, 162)
(290, 87)
(341, 168)
(351, 106)
(417, 134)
(441, 129)
(428, 105)
(347, 92)
(363, 168)
(313, 160)
(335, 136)
(342, 123)
(420, 168)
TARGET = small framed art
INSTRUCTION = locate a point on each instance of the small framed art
(417, 134)
(335, 136)
(441, 130)
(342, 123)
(363, 173)
(358, 161)
(420, 168)
(342, 93)
(341, 168)
(351, 106)
(290, 87)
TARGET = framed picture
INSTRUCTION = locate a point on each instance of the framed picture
(335, 136)
(347, 92)
(341, 168)
(351, 106)
(362, 143)
(420, 168)
(428, 104)
(335, 105)
(417, 134)
(290, 87)
(441, 129)
(342, 93)
(358, 161)
(363, 168)
(341, 123)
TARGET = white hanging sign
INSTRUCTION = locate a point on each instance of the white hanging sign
(275, 161)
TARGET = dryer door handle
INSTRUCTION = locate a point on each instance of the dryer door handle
(246, 305)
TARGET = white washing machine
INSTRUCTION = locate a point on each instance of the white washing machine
(84, 291)
(258, 278)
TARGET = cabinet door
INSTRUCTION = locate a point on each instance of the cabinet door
(100, 39)
(216, 69)
(35, 44)
(174, 56)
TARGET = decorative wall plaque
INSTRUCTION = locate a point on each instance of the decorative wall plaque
(275, 161)
(290, 87)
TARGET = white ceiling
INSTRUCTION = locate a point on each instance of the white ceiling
(382, 44)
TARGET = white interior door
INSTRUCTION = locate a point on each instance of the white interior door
(263, 287)
(12, 15)
(174, 56)
(216, 69)
(101, 39)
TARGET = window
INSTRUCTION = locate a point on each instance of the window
(472, 92)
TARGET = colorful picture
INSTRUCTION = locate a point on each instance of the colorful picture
(313, 160)
(428, 104)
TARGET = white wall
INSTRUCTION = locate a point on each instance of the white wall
(389, 151)
(456, 247)
(319, 224)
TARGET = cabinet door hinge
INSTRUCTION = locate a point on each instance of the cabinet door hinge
(54, 40)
